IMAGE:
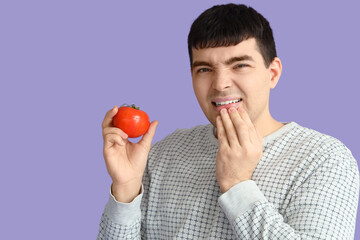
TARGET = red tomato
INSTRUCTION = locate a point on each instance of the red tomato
(132, 121)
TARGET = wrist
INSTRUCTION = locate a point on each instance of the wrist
(224, 187)
(125, 193)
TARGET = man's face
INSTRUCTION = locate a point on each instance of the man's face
(232, 76)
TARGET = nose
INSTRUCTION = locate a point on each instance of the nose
(221, 80)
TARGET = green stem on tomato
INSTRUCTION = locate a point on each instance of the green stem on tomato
(135, 107)
(132, 106)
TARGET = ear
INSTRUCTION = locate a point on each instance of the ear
(275, 69)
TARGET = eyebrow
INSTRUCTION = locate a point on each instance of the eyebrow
(227, 62)
(239, 59)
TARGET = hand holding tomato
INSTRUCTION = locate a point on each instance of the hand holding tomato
(125, 161)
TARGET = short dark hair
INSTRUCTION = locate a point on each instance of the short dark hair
(228, 25)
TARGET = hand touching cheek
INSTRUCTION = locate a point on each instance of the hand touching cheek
(240, 148)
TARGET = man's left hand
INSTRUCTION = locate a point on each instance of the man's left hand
(240, 148)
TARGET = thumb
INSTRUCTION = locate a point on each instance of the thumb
(149, 135)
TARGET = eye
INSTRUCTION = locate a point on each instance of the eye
(202, 70)
(242, 65)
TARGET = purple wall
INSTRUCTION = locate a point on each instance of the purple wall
(63, 64)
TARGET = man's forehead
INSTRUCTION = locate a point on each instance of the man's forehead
(222, 54)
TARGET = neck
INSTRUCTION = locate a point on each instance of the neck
(267, 124)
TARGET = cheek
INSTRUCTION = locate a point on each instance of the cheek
(200, 90)
(197, 89)
(256, 92)
(259, 95)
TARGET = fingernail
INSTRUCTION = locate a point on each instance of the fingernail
(232, 109)
(223, 111)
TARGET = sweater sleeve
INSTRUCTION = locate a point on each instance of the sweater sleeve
(121, 220)
(324, 206)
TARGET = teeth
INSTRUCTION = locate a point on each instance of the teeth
(217, 104)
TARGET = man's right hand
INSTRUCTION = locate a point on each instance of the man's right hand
(125, 161)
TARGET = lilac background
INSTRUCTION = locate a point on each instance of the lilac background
(63, 64)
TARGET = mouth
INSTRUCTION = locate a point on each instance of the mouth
(224, 103)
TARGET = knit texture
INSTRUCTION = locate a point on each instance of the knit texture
(306, 186)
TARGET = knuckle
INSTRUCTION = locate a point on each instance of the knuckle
(108, 136)
(220, 134)
(223, 149)
(253, 152)
(106, 131)
(247, 151)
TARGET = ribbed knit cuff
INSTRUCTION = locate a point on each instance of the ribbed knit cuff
(240, 198)
(124, 213)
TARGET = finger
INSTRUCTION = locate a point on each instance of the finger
(114, 130)
(251, 128)
(229, 127)
(111, 139)
(109, 116)
(240, 126)
(149, 135)
(220, 132)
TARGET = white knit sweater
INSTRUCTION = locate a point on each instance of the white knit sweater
(306, 186)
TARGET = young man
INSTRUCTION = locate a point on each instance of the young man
(245, 175)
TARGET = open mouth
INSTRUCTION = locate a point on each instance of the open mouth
(218, 104)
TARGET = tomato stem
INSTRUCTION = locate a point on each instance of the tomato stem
(132, 106)
(135, 107)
